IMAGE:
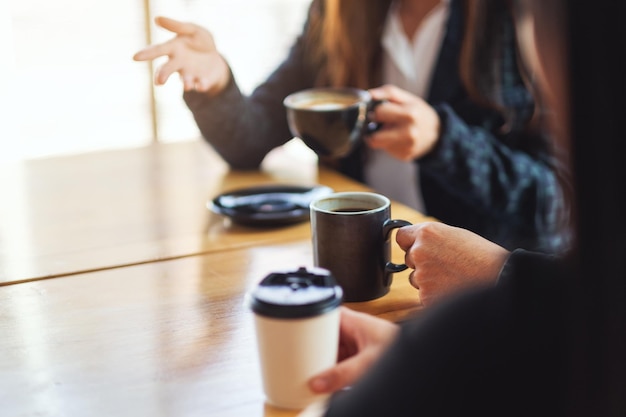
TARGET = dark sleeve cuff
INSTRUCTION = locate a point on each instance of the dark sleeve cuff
(522, 263)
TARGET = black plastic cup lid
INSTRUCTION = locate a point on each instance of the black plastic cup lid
(296, 294)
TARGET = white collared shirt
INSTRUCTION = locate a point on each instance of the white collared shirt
(407, 64)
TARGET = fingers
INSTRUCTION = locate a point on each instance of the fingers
(164, 71)
(368, 336)
(190, 83)
(346, 371)
(202, 84)
(399, 105)
(383, 92)
(396, 136)
(405, 236)
(391, 93)
(166, 48)
(394, 142)
(176, 26)
(340, 376)
(413, 280)
(392, 113)
(197, 84)
(153, 51)
(353, 321)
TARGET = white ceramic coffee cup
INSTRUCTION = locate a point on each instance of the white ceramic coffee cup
(297, 330)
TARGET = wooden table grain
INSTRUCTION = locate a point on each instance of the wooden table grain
(99, 210)
(169, 338)
(121, 294)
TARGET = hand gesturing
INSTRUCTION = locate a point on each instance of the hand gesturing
(192, 53)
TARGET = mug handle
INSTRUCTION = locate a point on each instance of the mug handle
(371, 126)
(388, 226)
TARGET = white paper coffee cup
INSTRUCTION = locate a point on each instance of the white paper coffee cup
(297, 329)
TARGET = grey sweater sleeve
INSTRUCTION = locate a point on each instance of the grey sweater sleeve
(243, 129)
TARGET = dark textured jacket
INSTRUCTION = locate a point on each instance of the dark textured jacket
(499, 184)
(488, 352)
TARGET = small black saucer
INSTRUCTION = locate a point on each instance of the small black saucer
(271, 205)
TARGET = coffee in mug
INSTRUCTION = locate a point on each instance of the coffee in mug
(297, 329)
(351, 238)
(330, 121)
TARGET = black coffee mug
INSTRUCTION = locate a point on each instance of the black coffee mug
(330, 121)
(351, 238)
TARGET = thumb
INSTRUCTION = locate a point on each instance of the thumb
(339, 376)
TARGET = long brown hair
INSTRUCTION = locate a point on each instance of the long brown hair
(481, 50)
(488, 31)
(344, 40)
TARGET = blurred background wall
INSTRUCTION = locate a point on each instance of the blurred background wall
(68, 83)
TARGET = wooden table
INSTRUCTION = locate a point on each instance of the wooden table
(94, 211)
(122, 295)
